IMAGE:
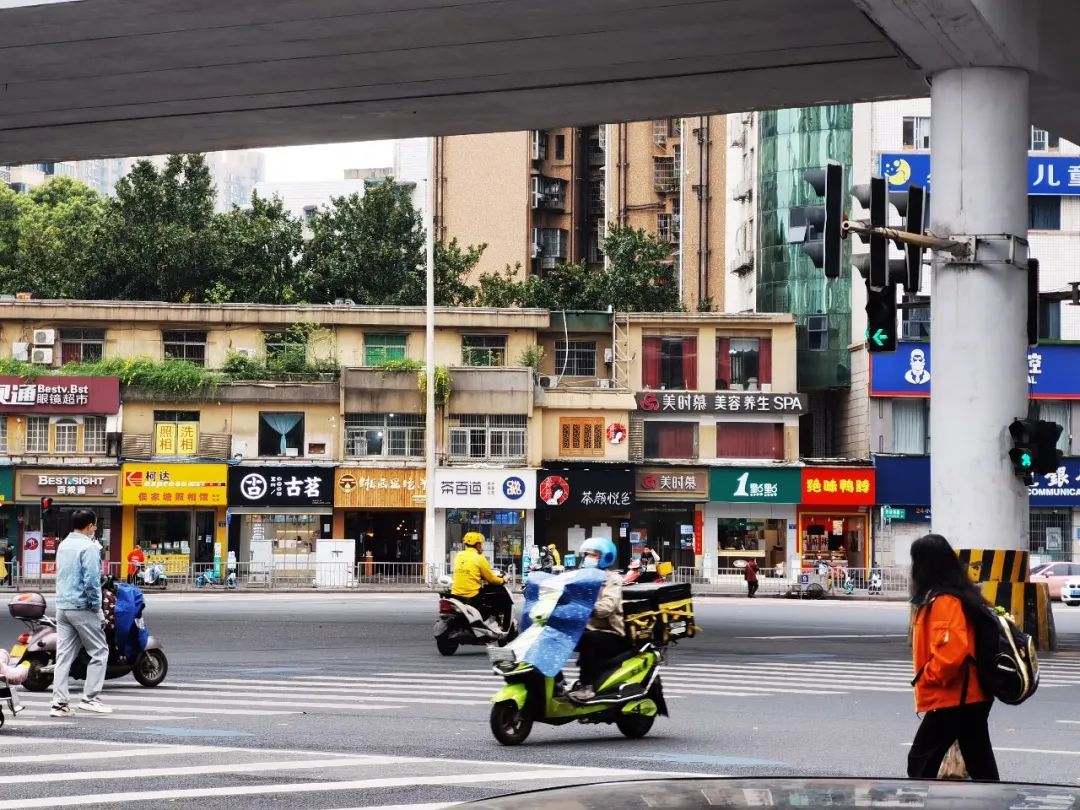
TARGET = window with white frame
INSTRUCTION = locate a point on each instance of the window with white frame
(37, 434)
(483, 350)
(488, 438)
(67, 436)
(382, 434)
(917, 131)
(1041, 140)
(575, 358)
(911, 426)
(185, 345)
(94, 434)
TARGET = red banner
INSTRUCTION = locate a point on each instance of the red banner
(75, 395)
(838, 486)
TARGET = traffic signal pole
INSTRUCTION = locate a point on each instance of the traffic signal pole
(978, 325)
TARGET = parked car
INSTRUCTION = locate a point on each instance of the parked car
(1070, 591)
(1055, 574)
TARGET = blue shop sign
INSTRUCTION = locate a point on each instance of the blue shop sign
(1048, 175)
(905, 480)
(908, 371)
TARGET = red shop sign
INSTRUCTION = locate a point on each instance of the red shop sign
(75, 395)
(838, 486)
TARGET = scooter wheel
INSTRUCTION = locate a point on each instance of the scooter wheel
(635, 726)
(445, 645)
(151, 667)
(36, 680)
(509, 724)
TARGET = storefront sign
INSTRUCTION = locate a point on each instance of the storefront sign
(1059, 488)
(712, 402)
(1047, 174)
(592, 487)
(377, 488)
(838, 486)
(81, 484)
(165, 485)
(1051, 372)
(176, 438)
(7, 484)
(672, 484)
(281, 486)
(755, 485)
(60, 395)
(485, 489)
(906, 514)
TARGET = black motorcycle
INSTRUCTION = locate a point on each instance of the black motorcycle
(462, 622)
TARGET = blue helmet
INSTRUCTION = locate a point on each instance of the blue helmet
(602, 546)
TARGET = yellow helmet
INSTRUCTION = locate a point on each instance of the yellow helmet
(473, 539)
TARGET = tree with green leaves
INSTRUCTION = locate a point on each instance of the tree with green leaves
(640, 276)
(368, 248)
(156, 241)
(256, 255)
(453, 266)
(12, 205)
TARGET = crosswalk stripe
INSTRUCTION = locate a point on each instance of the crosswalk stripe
(443, 780)
(204, 770)
(115, 753)
(45, 704)
(374, 694)
(228, 699)
(345, 688)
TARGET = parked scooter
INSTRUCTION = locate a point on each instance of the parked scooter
(211, 578)
(152, 576)
(37, 647)
(461, 623)
(630, 695)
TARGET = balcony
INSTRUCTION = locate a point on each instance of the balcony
(548, 193)
(502, 390)
(742, 264)
(211, 445)
(372, 390)
(744, 190)
(260, 392)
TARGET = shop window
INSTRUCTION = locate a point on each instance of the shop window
(483, 350)
(81, 345)
(750, 440)
(281, 434)
(671, 440)
(490, 438)
(282, 343)
(1044, 213)
(1058, 413)
(581, 436)
(37, 434)
(669, 362)
(504, 530)
(911, 426)
(94, 437)
(66, 438)
(188, 346)
(379, 349)
(575, 358)
(381, 434)
(743, 362)
(1049, 533)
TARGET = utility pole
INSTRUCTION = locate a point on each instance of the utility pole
(433, 551)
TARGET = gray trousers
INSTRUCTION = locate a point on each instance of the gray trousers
(77, 629)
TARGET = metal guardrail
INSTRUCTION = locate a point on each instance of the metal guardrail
(838, 582)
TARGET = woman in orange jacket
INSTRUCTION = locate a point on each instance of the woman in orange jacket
(946, 680)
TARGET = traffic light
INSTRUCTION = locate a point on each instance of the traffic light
(914, 222)
(880, 318)
(911, 205)
(827, 220)
(1034, 451)
(46, 506)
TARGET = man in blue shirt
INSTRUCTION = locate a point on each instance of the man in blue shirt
(79, 617)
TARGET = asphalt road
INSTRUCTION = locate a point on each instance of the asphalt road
(335, 701)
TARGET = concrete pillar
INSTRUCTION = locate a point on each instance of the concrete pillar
(978, 332)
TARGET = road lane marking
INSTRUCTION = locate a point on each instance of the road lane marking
(815, 636)
(113, 754)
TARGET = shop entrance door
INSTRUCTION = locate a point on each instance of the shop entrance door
(204, 536)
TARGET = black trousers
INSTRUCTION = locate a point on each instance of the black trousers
(751, 587)
(967, 724)
(595, 649)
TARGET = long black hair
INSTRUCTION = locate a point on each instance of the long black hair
(935, 569)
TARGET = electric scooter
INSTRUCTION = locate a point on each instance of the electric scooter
(211, 578)
(152, 576)
(461, 623)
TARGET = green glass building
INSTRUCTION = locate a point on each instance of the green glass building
(790, 142)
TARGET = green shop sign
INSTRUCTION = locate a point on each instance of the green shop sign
(7, 485)
(755, 485)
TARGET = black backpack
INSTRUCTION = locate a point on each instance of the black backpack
(1005, 660)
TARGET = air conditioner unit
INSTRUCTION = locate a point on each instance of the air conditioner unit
(536, 250)
(21, 351)
(545, 382)
(44, 337)
(42, 356)
(609, 356)
(249, 353)
(603, 383)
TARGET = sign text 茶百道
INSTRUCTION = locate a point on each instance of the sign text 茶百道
(719, 402)
(467, 488)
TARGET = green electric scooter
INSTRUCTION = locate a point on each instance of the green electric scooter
(630, 696)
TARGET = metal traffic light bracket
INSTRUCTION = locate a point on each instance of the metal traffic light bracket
(962, 248)
(1000, 249)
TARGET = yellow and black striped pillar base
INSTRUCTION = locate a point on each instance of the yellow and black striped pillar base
(995, 565)
(1029, 604)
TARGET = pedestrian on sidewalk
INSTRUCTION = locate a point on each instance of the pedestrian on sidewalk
(79, 617)
(750, 574)
(9, 561)
(946, 680)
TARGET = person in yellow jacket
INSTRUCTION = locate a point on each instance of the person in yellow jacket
(555, 556)
(471, 573)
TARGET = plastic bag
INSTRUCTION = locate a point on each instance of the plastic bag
(953, 766)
